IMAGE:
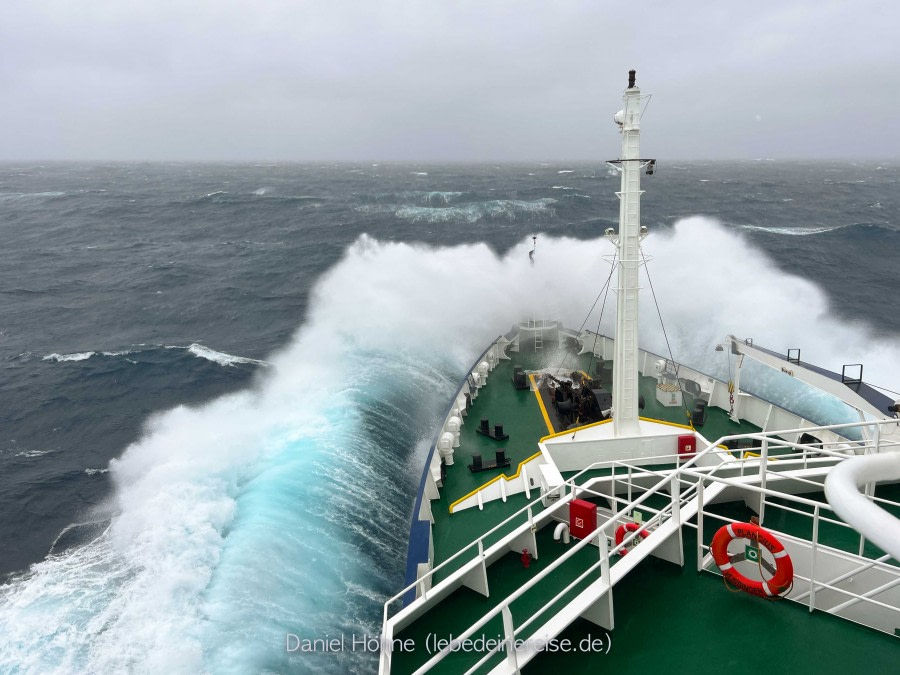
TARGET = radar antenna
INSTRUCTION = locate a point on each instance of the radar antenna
(533, 247)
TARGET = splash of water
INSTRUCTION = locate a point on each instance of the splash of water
(285, 508)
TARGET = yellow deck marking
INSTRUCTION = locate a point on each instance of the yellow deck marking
(540, 401)
(748, 454)
(495, 479)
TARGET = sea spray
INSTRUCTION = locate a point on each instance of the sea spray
(284, 508)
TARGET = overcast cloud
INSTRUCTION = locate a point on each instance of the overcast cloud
(444, 79)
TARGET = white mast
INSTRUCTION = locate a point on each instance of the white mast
(625, 363)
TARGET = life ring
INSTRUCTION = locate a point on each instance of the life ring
(629, 527)
(784, 568)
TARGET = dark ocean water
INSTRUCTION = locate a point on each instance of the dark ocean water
(265, 349)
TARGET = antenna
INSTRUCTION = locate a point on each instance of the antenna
(533, 247)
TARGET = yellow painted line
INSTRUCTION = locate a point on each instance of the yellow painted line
(671, 424)
(595, 424)
(576, 429)
(747, 454)
(495, 479)
(540, 401)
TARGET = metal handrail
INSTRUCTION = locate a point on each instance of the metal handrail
(712, 447)
(674, 478)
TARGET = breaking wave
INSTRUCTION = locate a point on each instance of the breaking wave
(285, 507)
(221, 358)
(497, 209)
(196, 349)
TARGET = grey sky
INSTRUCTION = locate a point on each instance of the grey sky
(444, 79)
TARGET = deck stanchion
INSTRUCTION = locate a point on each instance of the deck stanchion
(629, 485)
(763, 469)
(812, 564)
(604, 556)
(700, 525)
(510, 634)
(676, 500)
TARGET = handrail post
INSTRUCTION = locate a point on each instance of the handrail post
(764, 466)
(629, 485)
(700, 525)
(812, 564)
(510, 634)
(603, 545)
(675, 489)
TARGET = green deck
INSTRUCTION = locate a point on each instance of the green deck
(667, 617)
(520, 415)
(673, 619)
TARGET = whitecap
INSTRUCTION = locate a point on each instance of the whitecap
(80, 356)
(29, 454)
(221, 358)
(792, 231)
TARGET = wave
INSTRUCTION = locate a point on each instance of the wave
(221, 358)
(31, 454)
(80, 356)
(822, 229)
(196, 349)
(792, 231)
(497, 209)
(34, 197)
(284, 508)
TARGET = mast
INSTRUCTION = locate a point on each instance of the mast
(627, 240)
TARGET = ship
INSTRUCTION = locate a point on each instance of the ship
(587, 504)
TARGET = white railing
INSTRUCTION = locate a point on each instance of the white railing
(695, 476)
(842, 491)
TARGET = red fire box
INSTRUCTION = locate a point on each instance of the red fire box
(582, 518)
(687, 446)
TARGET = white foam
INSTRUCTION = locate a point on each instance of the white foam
(205, 563)
(261, 191)
(28, 196)
(80, 356)
(504, 209)
(792, 231)
(94, 472)
(566, 171)
(221, 358)
(30, 454)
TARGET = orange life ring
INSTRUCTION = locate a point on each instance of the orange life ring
(629, 527)
(784, 568)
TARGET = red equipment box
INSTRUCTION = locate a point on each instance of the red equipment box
(687, 446)
(582, 518)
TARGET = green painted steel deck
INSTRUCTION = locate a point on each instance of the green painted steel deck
(668, 618)
(520, 414)
(674, 619)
